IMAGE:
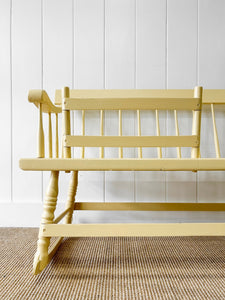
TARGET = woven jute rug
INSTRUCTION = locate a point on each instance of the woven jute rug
(113, 268)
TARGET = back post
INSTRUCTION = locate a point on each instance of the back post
(196, 125)
(65, 121)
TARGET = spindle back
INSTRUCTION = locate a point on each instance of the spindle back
(135, 102)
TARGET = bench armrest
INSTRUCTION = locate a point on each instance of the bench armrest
(42, 101)
(41, 97)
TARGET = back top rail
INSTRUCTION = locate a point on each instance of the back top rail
(134, 103)
(215, 96)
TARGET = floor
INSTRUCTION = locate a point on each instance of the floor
(114, 268)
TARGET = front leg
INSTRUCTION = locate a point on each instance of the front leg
(41, 258)
(71, 196)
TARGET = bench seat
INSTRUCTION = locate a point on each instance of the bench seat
(125, 164)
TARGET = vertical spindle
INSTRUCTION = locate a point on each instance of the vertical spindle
(101, 132)
(196, 127)
(41, 138)
(216, 139)
(159, 149)
(139, 132)
(177, 133)
(120, 133)
(83, 132)
(49, 135)
(56, 136)
(66, 121)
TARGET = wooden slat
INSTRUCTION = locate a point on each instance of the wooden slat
(138, 229)
(131, 141)
(216, 96)
(131, 103)
(125, 164)
(143, 206)
(216, 139)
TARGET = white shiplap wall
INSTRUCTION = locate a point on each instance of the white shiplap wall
(107, 44)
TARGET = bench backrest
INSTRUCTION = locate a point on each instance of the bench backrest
(135, 101)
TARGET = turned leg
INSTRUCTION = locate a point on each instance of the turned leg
(71, 197)
(41, 257)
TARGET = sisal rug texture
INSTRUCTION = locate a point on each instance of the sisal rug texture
(113, 268)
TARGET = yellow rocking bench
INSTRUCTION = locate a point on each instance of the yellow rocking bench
(68, 100)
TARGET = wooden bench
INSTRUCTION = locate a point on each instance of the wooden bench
(137, 100)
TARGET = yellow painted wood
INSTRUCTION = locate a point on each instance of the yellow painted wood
(49, 135)
(177, 133)
(120, 99)
(83, 133)
(41, 258)
(66, 122)
(139, 132)
(53, 248)
(196, 129)
(216, 139)
(216, 96)
(138, 229)
(61, 216)
(41, 138)
(101, 131)
(159, 150)
(120, 134)
(145, 206)
(131, 103)
(40, 96)
(62, 138)
(71, 196)
(56, 136)
(131, 141)
(125, 164)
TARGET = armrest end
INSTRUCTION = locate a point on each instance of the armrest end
(40, 96)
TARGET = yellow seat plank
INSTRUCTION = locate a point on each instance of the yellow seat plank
(104, 164)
